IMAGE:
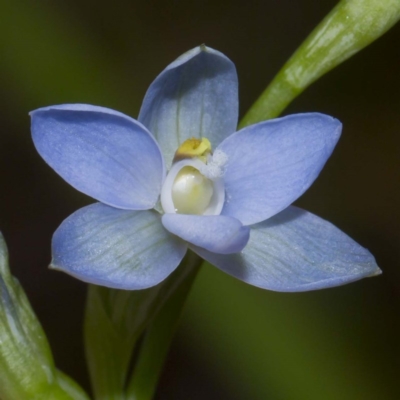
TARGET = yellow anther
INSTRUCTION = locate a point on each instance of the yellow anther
(193, 148)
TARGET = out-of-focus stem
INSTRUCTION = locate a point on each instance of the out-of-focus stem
(157, 340)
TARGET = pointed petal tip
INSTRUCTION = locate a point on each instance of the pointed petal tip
(326, 118)
(207, 49)
(54, 267)
(46, 108)
(194, 52)
(339, 126)
(376, 272)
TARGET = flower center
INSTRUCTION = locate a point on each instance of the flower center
(194, 184)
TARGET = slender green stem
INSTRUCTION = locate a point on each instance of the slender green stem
(156, 343)
(348, 28)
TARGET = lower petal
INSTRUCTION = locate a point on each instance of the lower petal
(116, 248)
(296, 251)
(216, 233)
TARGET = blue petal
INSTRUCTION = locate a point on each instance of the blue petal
(103, 153)
(272, 163)
(195, 96)
(216, 233)
(116, 248)
(297, 251)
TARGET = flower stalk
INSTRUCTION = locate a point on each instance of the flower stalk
(116, 319)
(159, 334)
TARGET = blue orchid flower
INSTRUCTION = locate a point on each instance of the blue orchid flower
(162, 188)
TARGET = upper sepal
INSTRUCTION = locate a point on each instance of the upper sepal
(195, 96)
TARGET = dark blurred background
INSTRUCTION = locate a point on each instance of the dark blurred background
(235, 341)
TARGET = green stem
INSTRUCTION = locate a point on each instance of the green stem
(156, 343)
(348, 28)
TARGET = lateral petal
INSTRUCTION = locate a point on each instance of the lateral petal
(272, 163)
(101, 152)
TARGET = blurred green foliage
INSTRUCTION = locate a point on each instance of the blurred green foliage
(27, 369)
(236, 342)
